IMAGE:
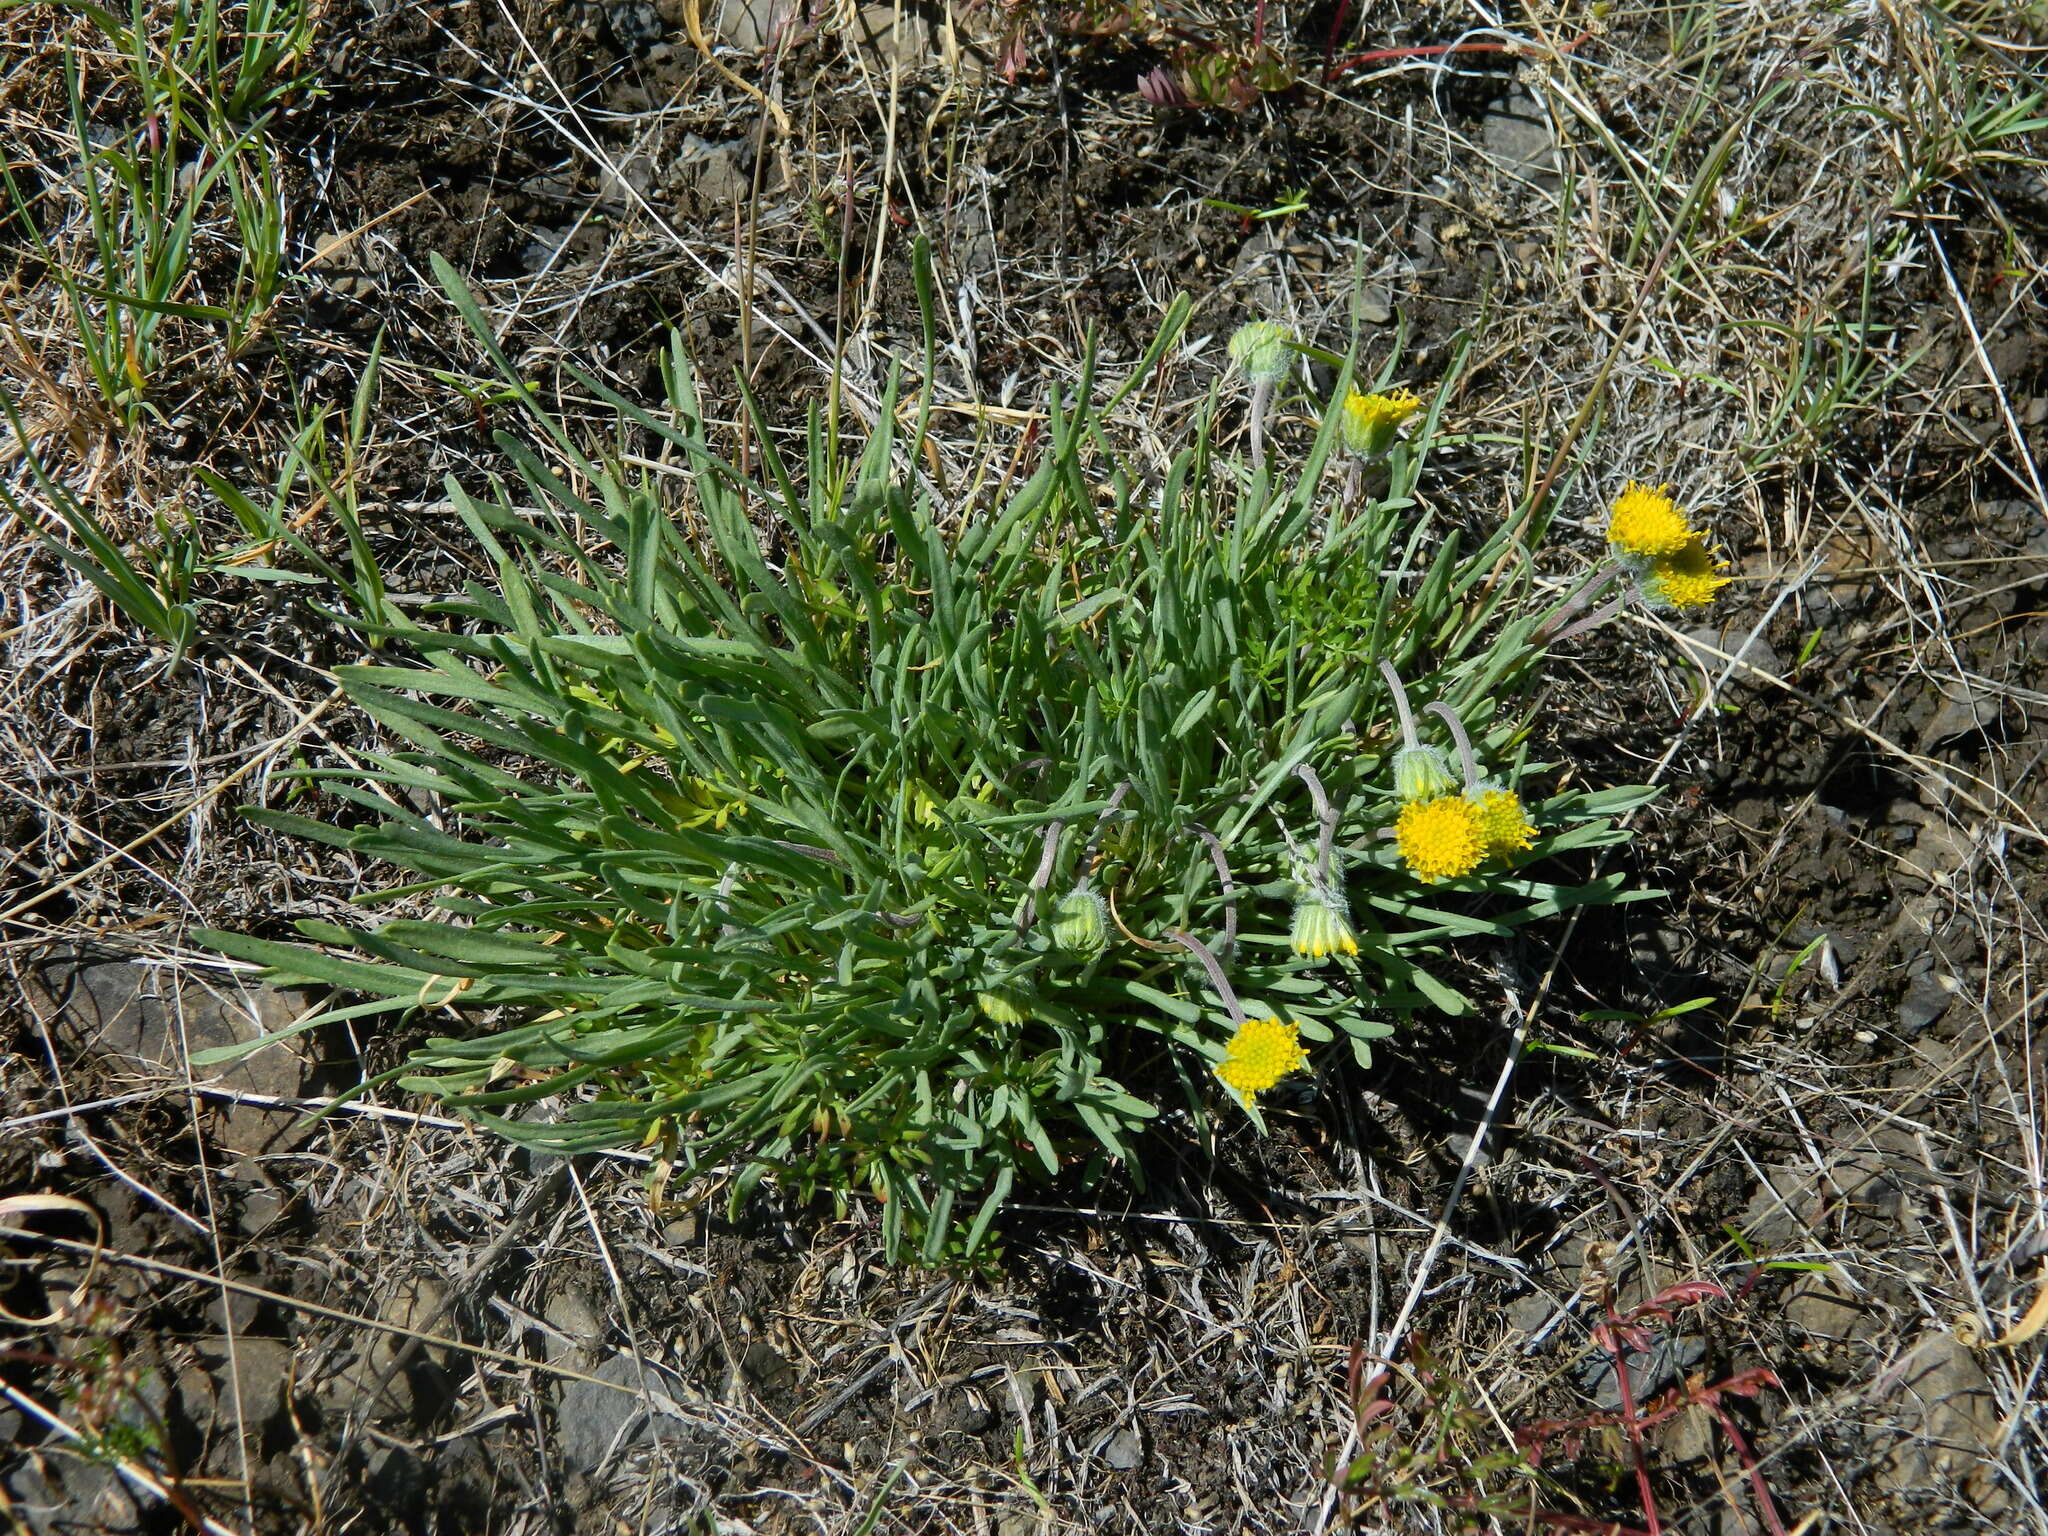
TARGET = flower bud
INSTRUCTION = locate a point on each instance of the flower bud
(1422, 773)
(1080, 922)
(1264, 350)
(1322, 928)
(1002, 1007)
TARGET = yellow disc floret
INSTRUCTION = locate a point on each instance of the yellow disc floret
(1647, 524)
(1261, 1053)
(1687, 579)
(1504, 826)
(1440, 839)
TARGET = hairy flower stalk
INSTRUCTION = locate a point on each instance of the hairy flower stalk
(1214, 967)
(1456, 727)
(1229, 885)
(1420, 773)
(1264, 351)
(1326, 818)
(1322, 918)
(1049, 851)
(1565, 622)
(1260, 1051)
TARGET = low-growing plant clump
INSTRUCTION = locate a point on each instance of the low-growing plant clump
(824, 830)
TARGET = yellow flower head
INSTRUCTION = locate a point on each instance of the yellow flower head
(1322, 928)
(1261, 1053)
(1440, 839)
(1686, 579)
(1368, 423)
(1504, 826)
(1647, 524)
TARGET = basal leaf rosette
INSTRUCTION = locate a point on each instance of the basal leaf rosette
(813, 832)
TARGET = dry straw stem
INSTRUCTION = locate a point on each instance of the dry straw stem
(305, 723)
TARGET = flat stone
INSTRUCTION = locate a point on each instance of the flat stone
(1709, 649)
(1964, 712)
(1516, 134)
(1823, 1311)
(635, 25)
(1950, 1425)
(1649, 1371)
(570, 1311)
(594, 1423)
(895, 37)
(261, 1366)
(1926, 1000)
(147, 1022)
(137, 1012)
(711, 176)
(749, 24)
(1123, 1450)
(396, 1482)
(764, 1370)
(374, 1380)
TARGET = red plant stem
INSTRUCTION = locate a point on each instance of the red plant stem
(1258, 26)
(1330, 43)
(1754, 1472)
(1433, 51)
(1554, 1519)
(1629, 1420)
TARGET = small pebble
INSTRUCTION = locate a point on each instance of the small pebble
(1866, 1037)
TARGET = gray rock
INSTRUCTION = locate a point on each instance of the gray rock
(148, 1022)
(635, 25)
(138, 1012)
(1123, 1450)
(1950, 1422)
(1516, 133)
(1531, 1312)
(395, 1480)
(1818, 1308)
(595, 1423)
(712, 175)
(261, 1367)
(765, 1371)
(570, 1311)
(902, 39)
(749, 24)
(1925, 1001)
(1964, 712)
(374, 1380)
(1649, 1371)
(1709, 648)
